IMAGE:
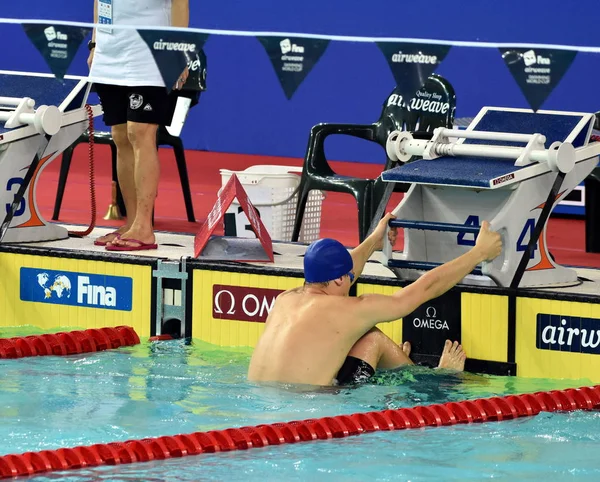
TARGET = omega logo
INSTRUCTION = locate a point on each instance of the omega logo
(431, 321)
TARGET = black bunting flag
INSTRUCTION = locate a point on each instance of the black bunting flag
(293, 59)
(58, 44)
(537, 71)
(412, 63)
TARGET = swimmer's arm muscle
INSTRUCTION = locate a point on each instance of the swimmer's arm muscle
(373, 309)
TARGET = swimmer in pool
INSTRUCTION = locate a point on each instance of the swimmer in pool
(318, 335)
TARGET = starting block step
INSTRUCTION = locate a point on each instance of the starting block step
(421, 265)
(433, 226)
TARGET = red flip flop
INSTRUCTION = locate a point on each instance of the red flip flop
(104, 243)
(142, 246)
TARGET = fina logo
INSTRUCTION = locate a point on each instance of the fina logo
(287, 46)
(76, 289)
(52, 34)
(530, 58)
(431, 321)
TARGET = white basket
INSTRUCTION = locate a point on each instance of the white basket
(270, 190)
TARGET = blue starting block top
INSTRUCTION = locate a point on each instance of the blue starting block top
(480, 172)
(45, 90)
(452, 171)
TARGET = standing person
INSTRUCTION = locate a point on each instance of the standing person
(318, 335)
(135, 101)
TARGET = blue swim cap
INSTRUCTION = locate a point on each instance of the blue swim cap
(326, 260)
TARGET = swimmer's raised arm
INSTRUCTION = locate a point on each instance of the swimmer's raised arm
(373, 309)
(362, 253)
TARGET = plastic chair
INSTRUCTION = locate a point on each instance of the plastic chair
(165, 136)
(395, 115)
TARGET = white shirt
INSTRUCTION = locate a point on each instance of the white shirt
(122, 57)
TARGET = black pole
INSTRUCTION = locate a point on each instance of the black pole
(537, 230)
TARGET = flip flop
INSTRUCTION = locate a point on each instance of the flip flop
(142, 246)
(104, 243)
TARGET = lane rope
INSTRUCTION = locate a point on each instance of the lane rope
(159, 448)
(68, 342)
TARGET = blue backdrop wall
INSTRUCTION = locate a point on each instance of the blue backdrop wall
(245, 110)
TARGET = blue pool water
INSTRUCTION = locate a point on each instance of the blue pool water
(170, 388)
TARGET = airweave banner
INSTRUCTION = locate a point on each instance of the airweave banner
(411, 64)
(537, 71)
(58, 44)
(293, 59)
(173, 51)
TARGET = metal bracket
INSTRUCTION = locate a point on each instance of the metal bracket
(170, 303)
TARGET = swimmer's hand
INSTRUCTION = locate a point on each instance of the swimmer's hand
(379, 232)
(489, 243)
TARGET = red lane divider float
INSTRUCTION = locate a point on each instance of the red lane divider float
(68, 342)
(471, 411)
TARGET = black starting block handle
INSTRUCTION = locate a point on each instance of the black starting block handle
(433, 226)
(421, 265)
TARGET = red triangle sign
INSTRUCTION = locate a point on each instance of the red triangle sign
(232, 190)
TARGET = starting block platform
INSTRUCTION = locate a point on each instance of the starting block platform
(509, 167)
(40, 117)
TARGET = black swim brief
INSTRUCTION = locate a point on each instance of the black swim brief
(354, 370)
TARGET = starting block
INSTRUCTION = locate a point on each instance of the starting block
(40, 117)
(509, 167)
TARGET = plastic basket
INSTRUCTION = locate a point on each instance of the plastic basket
(271, 191)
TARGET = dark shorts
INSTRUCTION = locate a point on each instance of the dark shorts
(146, 105)
(354, 370)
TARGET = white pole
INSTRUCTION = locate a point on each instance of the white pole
(489, 136)
(416, 147)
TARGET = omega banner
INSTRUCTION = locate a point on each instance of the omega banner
(173, 51)
(537, 71)
(58, 44)
(430, 325)
(411, 64)
(242, 303)
(293, 59)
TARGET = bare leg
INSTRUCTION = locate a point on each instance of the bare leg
(146, 175)
(125, 167)
(379, 351)
(453, 356)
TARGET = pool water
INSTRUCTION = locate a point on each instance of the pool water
(168, 388)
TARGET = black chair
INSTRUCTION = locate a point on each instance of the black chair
(395, 115)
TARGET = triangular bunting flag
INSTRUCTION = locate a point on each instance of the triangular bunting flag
(293, 59)
(537, 71)
(173, 50)
(233, 249)
(412, 64)
(58, 44)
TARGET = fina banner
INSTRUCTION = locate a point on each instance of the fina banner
(412, 64)
(58, 44)
(173, 51)
(537, 71)
(293, 59)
